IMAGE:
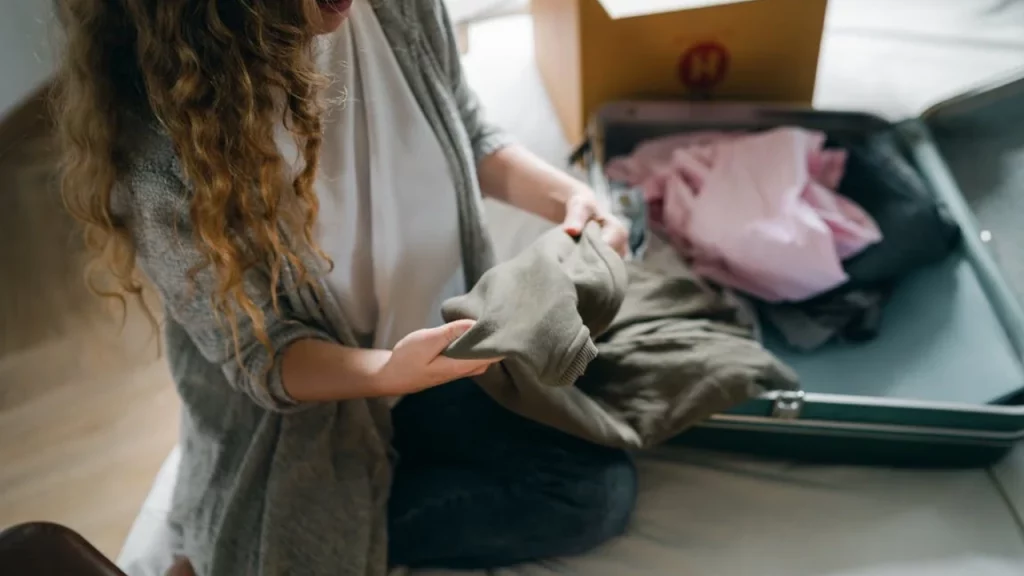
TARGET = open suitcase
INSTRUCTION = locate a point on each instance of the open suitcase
(943, 384)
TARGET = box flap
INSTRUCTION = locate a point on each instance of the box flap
(630, 8)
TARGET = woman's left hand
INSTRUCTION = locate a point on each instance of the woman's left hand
(582, 208)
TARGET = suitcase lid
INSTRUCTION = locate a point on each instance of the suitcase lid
(971, 148)
(979, 136)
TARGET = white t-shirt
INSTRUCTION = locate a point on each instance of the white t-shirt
(388, 206)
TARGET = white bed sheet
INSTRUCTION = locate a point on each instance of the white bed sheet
(716, 515)
(704, 514)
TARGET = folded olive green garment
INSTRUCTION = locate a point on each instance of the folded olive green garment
(621, 354)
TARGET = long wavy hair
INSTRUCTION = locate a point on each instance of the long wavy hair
(219, 76)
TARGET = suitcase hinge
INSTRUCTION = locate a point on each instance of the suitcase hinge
(788, 405)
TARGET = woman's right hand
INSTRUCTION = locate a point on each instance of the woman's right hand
(416, 362)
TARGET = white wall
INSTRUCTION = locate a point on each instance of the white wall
(467, 10)
(26, 55)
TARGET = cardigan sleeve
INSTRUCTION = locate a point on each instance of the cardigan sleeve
(486, 138)
(157, 213)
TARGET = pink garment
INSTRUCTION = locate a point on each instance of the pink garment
(756, 212)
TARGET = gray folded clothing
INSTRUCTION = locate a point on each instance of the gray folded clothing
(620, 354)
(540, 309)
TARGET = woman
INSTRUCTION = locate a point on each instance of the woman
(301, 181)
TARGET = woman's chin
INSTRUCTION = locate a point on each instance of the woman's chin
(332, 14)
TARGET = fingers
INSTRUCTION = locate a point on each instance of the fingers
(436, 340)
(454, 330)
(578, 212)
(448, 369)
(478, 371)
(617, 237)
(581, 209)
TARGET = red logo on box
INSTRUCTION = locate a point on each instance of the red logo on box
(703, 66)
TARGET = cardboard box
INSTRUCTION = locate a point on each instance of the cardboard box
(594, 51)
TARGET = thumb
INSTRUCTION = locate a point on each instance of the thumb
(440, 338)
(577, 214)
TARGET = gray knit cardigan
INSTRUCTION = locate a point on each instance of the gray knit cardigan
(267, 485)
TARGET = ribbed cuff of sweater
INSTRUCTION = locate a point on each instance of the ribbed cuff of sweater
(582, 352)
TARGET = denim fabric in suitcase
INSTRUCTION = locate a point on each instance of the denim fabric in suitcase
(942, 384)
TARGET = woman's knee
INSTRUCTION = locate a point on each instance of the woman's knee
(614, 508)
(604, 489)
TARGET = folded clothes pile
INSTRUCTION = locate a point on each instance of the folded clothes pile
(818, 231)
(621, 354)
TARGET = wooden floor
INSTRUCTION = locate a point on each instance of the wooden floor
(87, 410)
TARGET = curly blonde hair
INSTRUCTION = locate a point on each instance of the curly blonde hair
(219, 76)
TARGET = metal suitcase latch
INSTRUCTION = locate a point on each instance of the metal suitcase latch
(788, 405)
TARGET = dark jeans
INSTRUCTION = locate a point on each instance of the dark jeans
(479, 487)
